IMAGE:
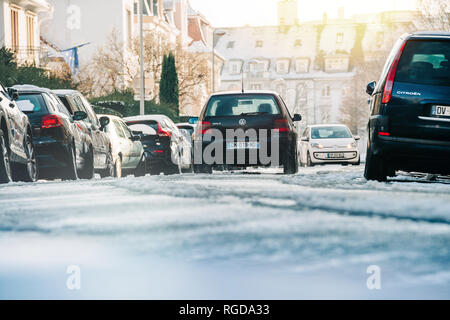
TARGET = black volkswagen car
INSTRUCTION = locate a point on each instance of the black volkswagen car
(58, 140)
(17, 154)
(246, 129)
(409, 127)
(97, 141)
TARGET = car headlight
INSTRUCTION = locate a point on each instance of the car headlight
(352, 145)
(317, 145)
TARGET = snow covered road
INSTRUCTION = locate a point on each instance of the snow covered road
(256, 234)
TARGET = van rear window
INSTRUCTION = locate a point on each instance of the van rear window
(425, 62)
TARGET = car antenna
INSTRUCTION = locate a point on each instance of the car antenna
(242, 78)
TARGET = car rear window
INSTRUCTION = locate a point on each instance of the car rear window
(31, 103)
(149, 123)
(425, 62)
(330, 133)
(241, 105)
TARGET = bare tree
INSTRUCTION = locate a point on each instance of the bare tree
(435, 14)
(113, 67)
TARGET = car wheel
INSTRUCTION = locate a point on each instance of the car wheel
(118, 171)
(172, 169)
(203, 168)
(70, 172)
(309, 162)
(110, 170)
(5, 165)
(88, 170)
(375, 167)
(141, 168)
(291, 163)
(29, 171)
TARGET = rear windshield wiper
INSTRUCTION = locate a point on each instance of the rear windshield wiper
(252, 113)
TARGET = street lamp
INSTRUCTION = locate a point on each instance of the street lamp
(141, 42)
(216, 35)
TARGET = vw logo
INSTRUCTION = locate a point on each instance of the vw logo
(242, 122)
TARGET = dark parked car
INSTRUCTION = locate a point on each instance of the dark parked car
(261, 111)
(57, 139)
(409, 127)
(164, 151)
(98, 145)
(17, 154)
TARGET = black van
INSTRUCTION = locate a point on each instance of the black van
(409, 126)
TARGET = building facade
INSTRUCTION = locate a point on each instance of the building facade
(310, 64)
(20, 22)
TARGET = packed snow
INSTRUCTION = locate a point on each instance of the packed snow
(253, 234)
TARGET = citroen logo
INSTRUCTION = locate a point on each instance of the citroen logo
(242, 122)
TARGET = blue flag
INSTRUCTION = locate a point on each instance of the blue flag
(71, 57)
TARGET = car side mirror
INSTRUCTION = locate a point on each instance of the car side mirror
(104, 121)
(357, 138)
(371, 88)
(135, 138)
(13, 93)
(305, 139)
(297, 118)
(193, 120)
(79, 115)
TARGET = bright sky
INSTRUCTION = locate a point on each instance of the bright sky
(229, 13)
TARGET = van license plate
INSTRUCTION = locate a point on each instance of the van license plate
(441, 111)
(242, 145)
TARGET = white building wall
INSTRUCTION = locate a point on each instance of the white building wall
(77, 22)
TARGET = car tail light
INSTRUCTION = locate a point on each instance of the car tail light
(387, 94)
(203, 127)
(51, 121)
(162, 132)
(158, 151)
(281, 125)
(384, 134)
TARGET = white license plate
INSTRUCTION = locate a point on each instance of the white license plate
(336, 156)
(441, 111)
(242, 145)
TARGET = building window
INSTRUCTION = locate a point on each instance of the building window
(326, 90)
(298, 43)
(30, 33)
(302, 65)
(14, 29)
(283, 66)
(230, 45)
(155, 8)
(255, 86)
(380, 38)
(259, 44)
(235, 67)
(340, 38)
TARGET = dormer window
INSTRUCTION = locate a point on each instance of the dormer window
(230, 45)
(298, 43)
(259, 44)
(283, 66)
(340, 38)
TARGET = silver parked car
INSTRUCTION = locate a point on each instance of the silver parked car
(325, 144)
(127, 150)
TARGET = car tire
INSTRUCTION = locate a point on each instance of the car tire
(141, 169)
(88, 171)
(118, 170)
(173, 169)
(309, 162)
(109, 171)
(375, 168)
(5, 165)
(290, 165)
(70, 172)
(203, 169)
(27, 172)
